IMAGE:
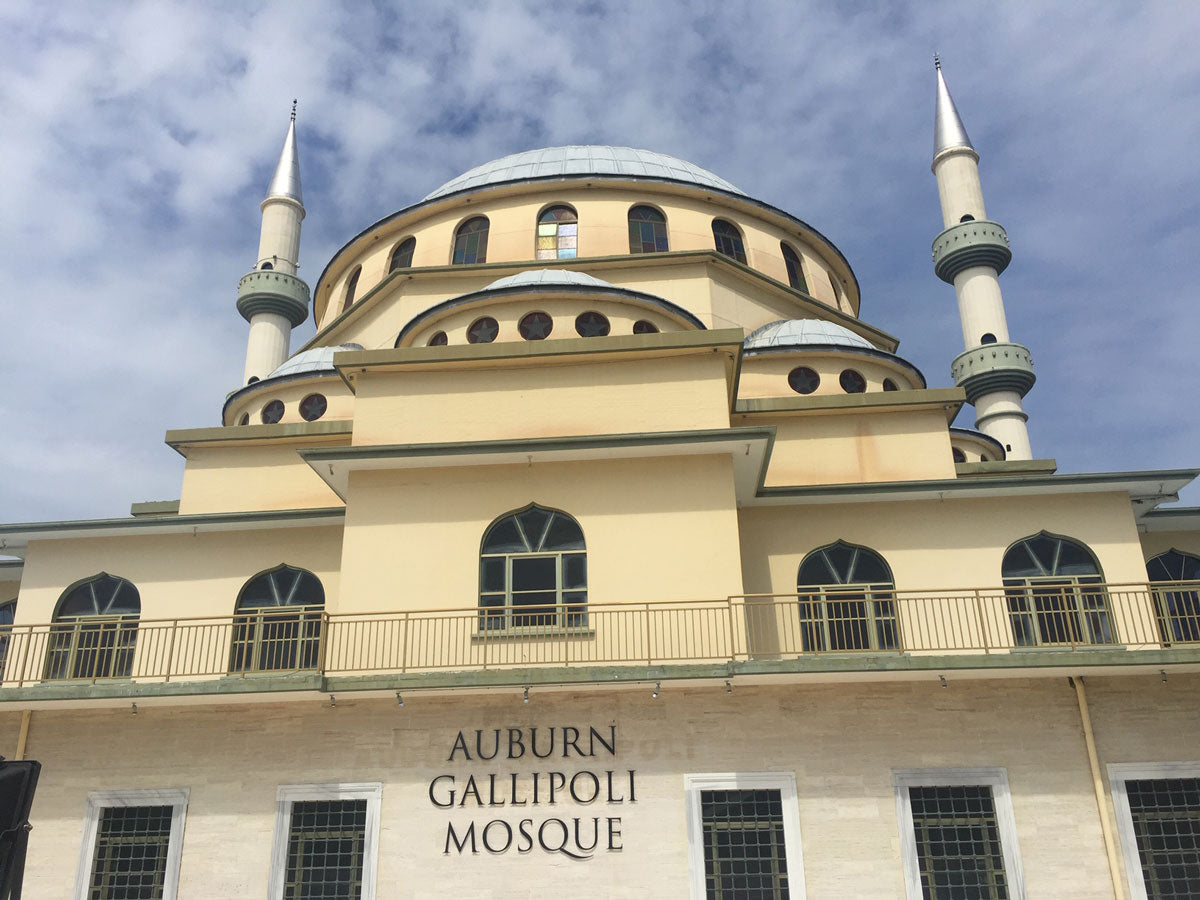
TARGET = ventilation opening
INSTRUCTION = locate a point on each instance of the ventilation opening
(252, 379)
(1008, 446)
(988, 338)
(967, 218)
(266, 265)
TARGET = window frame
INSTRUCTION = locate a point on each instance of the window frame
(260, 632)
(880, 607)
(288, 794)
(560, 252)
(176, 798)
(784, 249)
(458, 231)
(109, 639)
(784, 782)
(1179, 625)
(737, 235)
(1118, 774)
(629, 220)
(1086, 605)
(400, 245)
(995, 778)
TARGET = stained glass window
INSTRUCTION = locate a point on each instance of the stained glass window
(591, 324)
(647, 230)
(278, 621)
(483, 330)
(272, 412)
(728, 240)
(313, 407)
(95, 630)
(957, 833)
(1046, 579)
(470, 242)
(402, 256)
(744, 850)
(846, 600)
(536, 326)
(557, 233)
(795, 271)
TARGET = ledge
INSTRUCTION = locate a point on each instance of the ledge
(1002, 467)
(282, 432)
(154, 508)
(949, 400)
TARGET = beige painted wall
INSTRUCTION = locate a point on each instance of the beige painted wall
(766, 374)
(841, 742)
(243, 479)
(1156, 542)
(339, 400)
(656, 529)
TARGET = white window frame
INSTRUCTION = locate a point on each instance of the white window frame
(288, 794)
(784, 782)
(997, 780)
(176, 798)
(1118, 774)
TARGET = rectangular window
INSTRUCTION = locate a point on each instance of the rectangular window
(132, 845)
(957, 835)
(744, 837)
(1158, 817)
(326, 842)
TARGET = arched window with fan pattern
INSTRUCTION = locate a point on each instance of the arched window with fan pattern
(95, 629)
(847, 600)
(277, 621)
(1175, 580)
(1051, 585)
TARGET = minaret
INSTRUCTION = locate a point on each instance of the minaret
(970, 254)
(271, 298)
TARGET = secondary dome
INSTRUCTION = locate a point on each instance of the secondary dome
(534, 277)
(561, 162)
(315, 360)
(787, 333)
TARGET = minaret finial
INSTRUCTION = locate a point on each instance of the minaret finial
(937, 62)
(286, 181)
(294, 108)
(948, 130)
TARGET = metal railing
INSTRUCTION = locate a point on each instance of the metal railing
(737, 628)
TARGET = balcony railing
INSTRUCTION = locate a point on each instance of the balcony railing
(734, 629)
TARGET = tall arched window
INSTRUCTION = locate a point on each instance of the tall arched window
(533, 572)
(728, 240)
(470, 242)
(1178, 604)
(277, 624)
(8, 612)
(647, 230)
(847, 600)
(557, 233)
(795, 271)
(1046, 580)
(351, 287)
(94, 630)
(402, 256)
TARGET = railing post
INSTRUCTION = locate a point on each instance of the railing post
(404, 643)
(25, 654)
(729, 624)
(171, 649)
(983, 629)
(322, 642)
(649, 657)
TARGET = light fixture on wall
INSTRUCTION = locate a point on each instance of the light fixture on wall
(729, 687)
(942, 679)
(525, 698)
(657, 686)
(399, 699)
(1163, 673)
(133, 711)
(332, 701)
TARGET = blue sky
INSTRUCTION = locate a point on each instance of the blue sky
(139, 138)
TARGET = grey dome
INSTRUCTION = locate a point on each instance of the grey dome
(318, 359)
(561, 162)
(787, 333)
(548, 277)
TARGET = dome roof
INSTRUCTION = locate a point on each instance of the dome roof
(787, 333)
(548, 277)
(561, 162)
(317, 359)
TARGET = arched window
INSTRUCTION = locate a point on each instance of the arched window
(533, 572)
(557, 233)
(351, 287)
(847, 600)
(470, 242)
(1046, 580)
(278, 621)
(794, 270)
(647, 230)
(1178, 605)
(8, 612)
(403, 254)
(95, 629)
(728, 240)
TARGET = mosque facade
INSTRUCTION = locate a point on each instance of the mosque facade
(596, 546)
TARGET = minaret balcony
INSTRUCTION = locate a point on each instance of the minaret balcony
(993, 367)
(977, 242)
(266, 290)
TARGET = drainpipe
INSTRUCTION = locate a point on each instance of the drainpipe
(1106, 828)
(23, 735)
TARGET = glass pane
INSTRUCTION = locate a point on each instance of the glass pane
(568, 229)
(491, 573)
(547, 254)
(534, 573)
(547, 230)
(574, 571)
(567, 254)
(504, 537)
(533, 523)
(567, 241)
(564, 534)
(546, 243)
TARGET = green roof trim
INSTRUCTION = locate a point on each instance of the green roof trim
(1001, 467)
(222, 434)
(154, 508)
(951, 399)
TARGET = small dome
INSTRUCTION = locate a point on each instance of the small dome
(549, 278)
(788, 333)
(318, 359)
(565, 162)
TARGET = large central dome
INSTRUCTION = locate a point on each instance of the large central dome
(560, 162)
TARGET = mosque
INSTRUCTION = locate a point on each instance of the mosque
(596, 546)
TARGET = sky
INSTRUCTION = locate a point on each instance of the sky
(139, 138)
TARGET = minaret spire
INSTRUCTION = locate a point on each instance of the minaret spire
(970, 254)
(286, 181)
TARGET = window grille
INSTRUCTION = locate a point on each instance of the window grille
(325, 850)
(744, 851)
(1166, 824)
(130, 861)
(958, 843)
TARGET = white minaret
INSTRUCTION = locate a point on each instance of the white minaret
(970, 254)
(271, 298)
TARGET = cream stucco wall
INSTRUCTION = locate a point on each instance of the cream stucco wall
(766, 374)
(249, 478)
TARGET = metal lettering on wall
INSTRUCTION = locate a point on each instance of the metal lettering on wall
(568, 834)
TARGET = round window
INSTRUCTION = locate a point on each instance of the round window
(483, 331)
(536, 326)
(439, 339)
(272, 412)
(245, 419)
(591, 324)
(852, 382)
(313, 407)
(803, 380)
(889, 385)
(643, 327)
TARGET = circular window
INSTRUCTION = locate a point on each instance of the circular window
(313, 407)
(803, 380)
(245, 419)
(591, 324)
(959, 456)
(438, 340)
(536, 326)
(889, 385)
(272, 412)
(643, 327)
(988, 338)
(852, 382)
(483, 331)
